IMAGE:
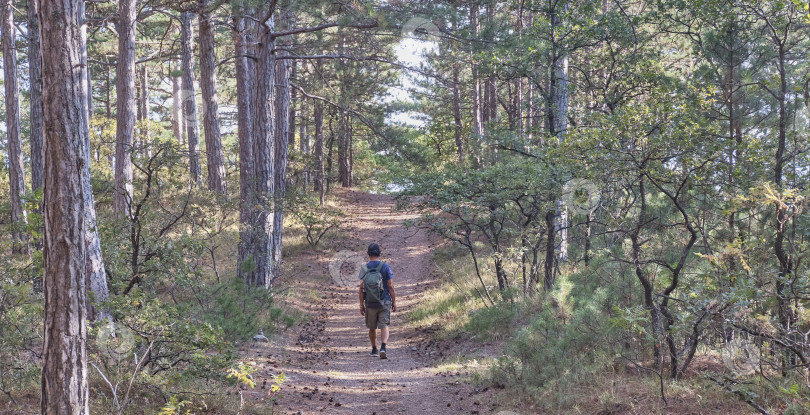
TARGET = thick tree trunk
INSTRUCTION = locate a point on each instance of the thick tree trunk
(189, 98)
(35, 80)
(177, 107)
(125, 93)
(244, 102)
(255, 262)
(64, 358)
(208, 85)
(14, 143)
(281, 147)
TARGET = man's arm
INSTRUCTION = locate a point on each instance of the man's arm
(393, 295)
(362, 306)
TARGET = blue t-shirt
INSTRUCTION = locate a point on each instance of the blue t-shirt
(387, 275)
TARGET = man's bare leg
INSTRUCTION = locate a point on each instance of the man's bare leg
(384, 334)
(372, 335)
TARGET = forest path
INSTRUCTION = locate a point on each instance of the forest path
(328, 365)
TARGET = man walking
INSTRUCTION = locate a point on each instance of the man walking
(377, 298)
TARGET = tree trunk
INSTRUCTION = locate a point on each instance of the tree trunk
(143, 109)
(189, 98)
(305, 146)
(244, 102)
(35, 80)
(317, 113)
(208, 85)
(491, 85)
(89, 79)
(281, 147)
(293, 100)
(478, 123)
(96, 277)
(517, 101)
(256, 265)
(530, 114)
(177, 107)
(330, 145)
(108, 103)
(64, 358)
(344, 174)
(559, 114)
(785, 309)
(458, 127)
(549, 276)
(125, 106)
(343, 149)
(143, 92)
(12, 98)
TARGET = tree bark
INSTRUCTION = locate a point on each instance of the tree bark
(305, 146)
(255, 262)
(14, 143)
(281, 148)
(478, 123)
(317, 113)
(143, 92)
(189, 98)
(293, 100)
(96, 277)
(64, 358)
(343, 149)
(208, 85)
(89, 79)
(177, 107)
(559, 113)
(35, 80)
(125, 106)
(143, 109)
(344, 173)
(244, 101)
(491, 85)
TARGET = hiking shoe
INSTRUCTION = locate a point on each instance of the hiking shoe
(374, 352)
(382, 354)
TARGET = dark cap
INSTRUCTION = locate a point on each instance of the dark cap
(373, 250)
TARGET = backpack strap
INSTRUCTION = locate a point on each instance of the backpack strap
(379, 267)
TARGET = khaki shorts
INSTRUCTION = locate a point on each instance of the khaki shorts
(379, 318)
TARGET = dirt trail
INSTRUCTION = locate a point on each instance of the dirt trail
(328, 364)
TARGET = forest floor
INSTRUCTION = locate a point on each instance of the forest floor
(326, 361)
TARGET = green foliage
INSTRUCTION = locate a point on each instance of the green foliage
(318, 220)
(239, 310)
